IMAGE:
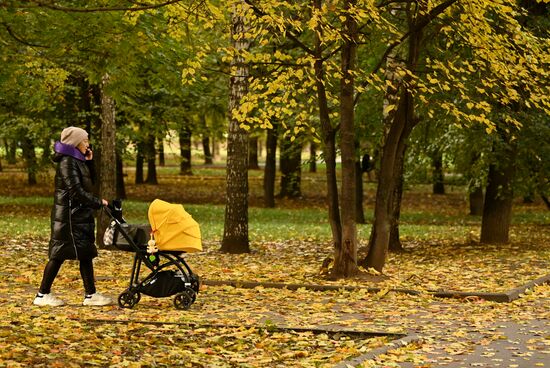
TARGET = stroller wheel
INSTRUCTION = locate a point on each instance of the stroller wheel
(128, 299)
(184, 299)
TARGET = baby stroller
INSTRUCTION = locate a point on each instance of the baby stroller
(159, 246)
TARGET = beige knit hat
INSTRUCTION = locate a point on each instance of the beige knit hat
(73, 136)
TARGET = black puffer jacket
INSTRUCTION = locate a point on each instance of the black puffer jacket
(72, 218)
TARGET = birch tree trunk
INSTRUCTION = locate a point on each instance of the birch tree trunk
(235, 232)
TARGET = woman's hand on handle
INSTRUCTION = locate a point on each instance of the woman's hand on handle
(104, 202)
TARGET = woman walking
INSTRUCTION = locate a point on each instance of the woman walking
(72, 218)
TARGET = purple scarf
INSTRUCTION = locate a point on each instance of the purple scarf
(68, 150)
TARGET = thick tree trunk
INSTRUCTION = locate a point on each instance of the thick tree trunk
(140, 160)
(312, 157)
(270, 170)
(151, 153)
(107, 179)
(29, 155)
(497, 209)
(253, 153)
(185, 151)
(476, 199)
(206, 149)
(162, 159)
(235, 232)
(291, 169)
(437, 173)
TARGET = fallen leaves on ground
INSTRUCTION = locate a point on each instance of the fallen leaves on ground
(71, 335)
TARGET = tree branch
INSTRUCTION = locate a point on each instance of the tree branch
(53, 6)
(19, 39)
(422, 22)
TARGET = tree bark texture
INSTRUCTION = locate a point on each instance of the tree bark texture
(185, 151)
(497, 209)
(270, 169)
(235, 233)
(107, 179)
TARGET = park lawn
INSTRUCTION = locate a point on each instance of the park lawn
(288, 245)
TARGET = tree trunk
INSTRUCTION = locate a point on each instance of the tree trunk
(162, 160)
(29, 155)
(107, 179)
(395, 241)
(475, 199)
(185, 151)
(497, 209)
(437, 173)
(359, 212)
(206, 150)
(140, 159)
(120, 188)
(312, 157)
(392, 151)
(329, 142)
(235, 232)
(270, 169)
(345, 255)
(291, 169)
(151, 153)
(253, 153)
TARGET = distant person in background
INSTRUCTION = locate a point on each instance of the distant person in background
(72, 218)
(367, 166)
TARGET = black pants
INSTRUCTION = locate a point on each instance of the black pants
(52, 268)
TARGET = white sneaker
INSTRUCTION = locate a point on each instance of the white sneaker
(97, 299)
(48, 299)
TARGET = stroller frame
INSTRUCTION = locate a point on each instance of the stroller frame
(132, 295)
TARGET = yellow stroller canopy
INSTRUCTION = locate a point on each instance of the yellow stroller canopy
(173, 228)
